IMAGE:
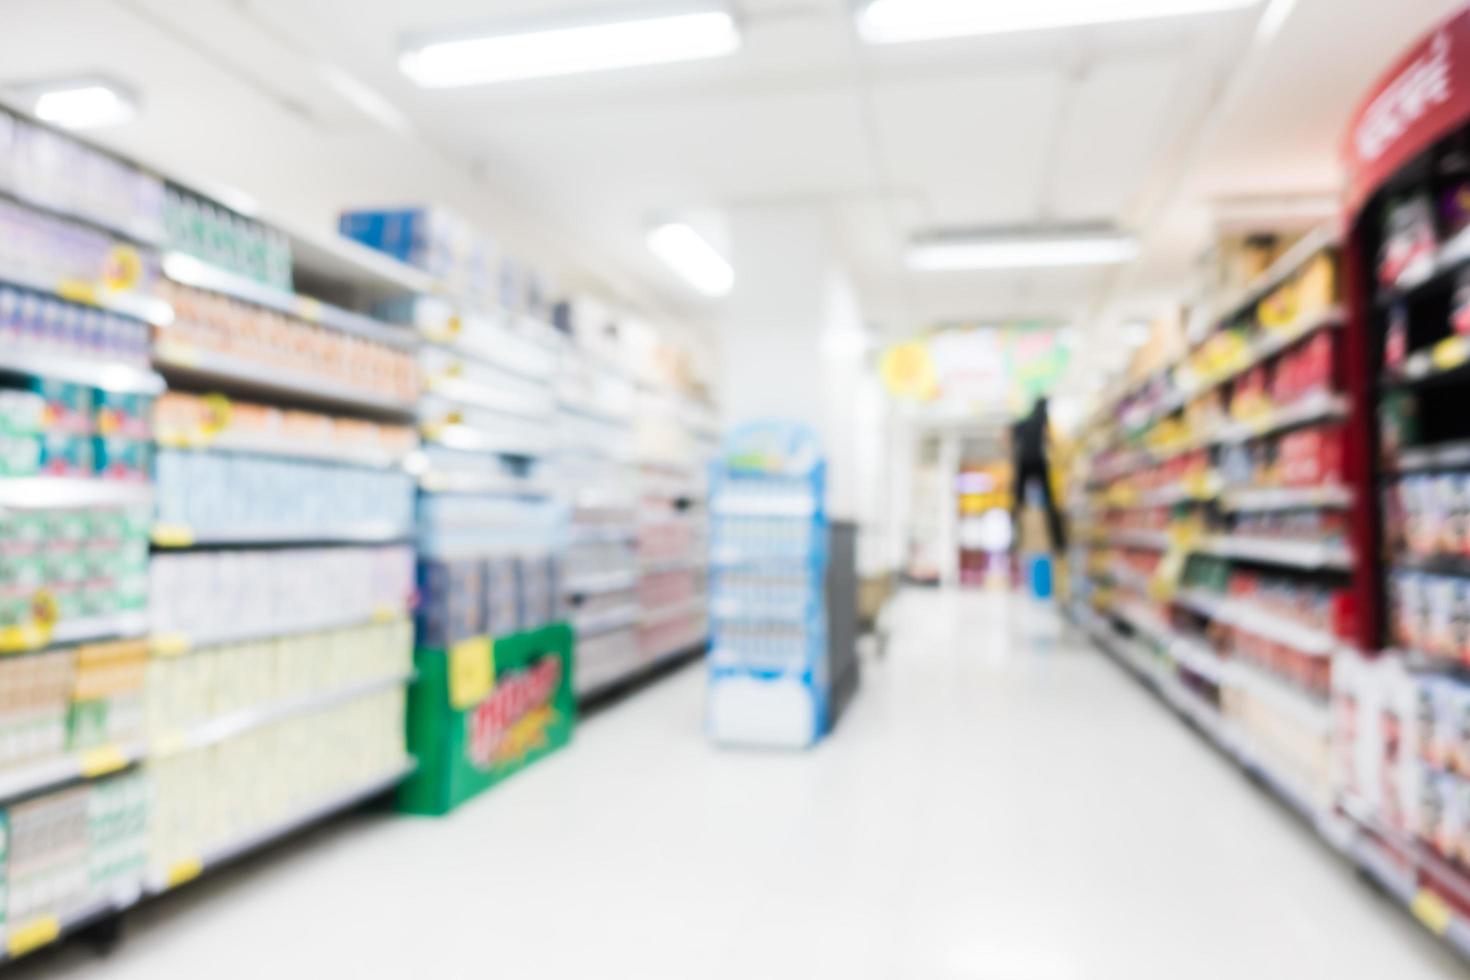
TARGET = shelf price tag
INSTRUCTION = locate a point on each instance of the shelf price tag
(102, 760)
(1450, 353)
(182, 872)
(1432, 911)
(169, 645)
(123, 269)
(33, 935)
(172, 536)
(471, 672)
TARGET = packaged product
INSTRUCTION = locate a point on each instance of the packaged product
(1409, 241)
(1440, 600)
(1396, 338)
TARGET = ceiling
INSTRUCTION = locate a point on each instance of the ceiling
(1143, 125)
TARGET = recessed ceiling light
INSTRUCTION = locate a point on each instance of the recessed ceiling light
(896, 21)
(1031, 250)
(83, 103)
(570, 48)
(696, 260)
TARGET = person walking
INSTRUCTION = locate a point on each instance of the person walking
(1030, 437)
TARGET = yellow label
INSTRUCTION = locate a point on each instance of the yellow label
(1450, 353)
(44, 611)
(103, 760)
(386, 614)
(1431, 910)
(309, 309)
(180, 354)
(33, 935)
(1165, 583)
(471, 672)
(169, 645)
(170, 743)
(172, 536)
(218, 411)
(453, 326)
(123, 269)
(14, 639)
(184, 871)
(77, 291)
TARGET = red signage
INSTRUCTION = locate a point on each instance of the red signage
(1424, 96)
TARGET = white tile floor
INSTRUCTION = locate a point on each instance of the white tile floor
(998, 805)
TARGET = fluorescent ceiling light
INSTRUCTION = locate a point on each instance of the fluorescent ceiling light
(84, 104)
(365, 98)
(1021, 251)
(897, 21)
(695, 259)
(571, 49)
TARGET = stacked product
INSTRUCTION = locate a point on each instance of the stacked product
(768, 550)
(596, 400)
(1229, 468)
(221, 238)
(674, 446)
(1404, 760)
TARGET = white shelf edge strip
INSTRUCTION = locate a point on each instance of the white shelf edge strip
(159, 882)
(249, 719)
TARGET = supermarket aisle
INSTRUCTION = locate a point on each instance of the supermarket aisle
(994, 808)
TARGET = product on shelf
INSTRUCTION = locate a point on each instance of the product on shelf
(184, 420)
(224, 679)
(57, 255)
(210, 798)
(36, 323)
(70, 565)
(1428, 515)
(67, 850)
(61, 173)
(207, 323)
(216, 596)
(223, 493)
(54, 428)
(225, 239)
(460, 598)
(1409, 241)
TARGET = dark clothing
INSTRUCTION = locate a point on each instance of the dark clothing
(1028, 437)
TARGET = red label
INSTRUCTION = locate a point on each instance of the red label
(1424, 96)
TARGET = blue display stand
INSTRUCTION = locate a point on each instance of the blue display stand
(768, 683)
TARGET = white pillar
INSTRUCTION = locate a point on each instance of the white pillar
(793, 342)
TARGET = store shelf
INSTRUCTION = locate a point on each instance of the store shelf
(136, 306)
(683, 563)
(734, 506)
(1198, 659)
(178, 644)
(600, 584)
(27, 937)
(107, 375)
(189, 271)
(488, 355)
(1208, 721)
(1286, 265)
(1446, 362)
(149, 238)
(1446, 456)
(185, 871)
(585, 534)
(1322, 406)
(448, 481)
(1434, 564)
(25, 780)
(653, 615)
(206, 368)
(1282, 698)
(605, 621)
(23, 639)
(505, 402)
(61, 493)
(1250, 618)
(177, 536)
(470, 439)
(1146, 540)
(637, 672)
(1308, 555)
(255, 445)
(1286, 498)
(240, 722)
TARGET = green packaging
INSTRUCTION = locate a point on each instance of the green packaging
(483, 711)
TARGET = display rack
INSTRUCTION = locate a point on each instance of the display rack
(769, 682)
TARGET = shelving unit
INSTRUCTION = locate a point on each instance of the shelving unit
(1217, 496)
